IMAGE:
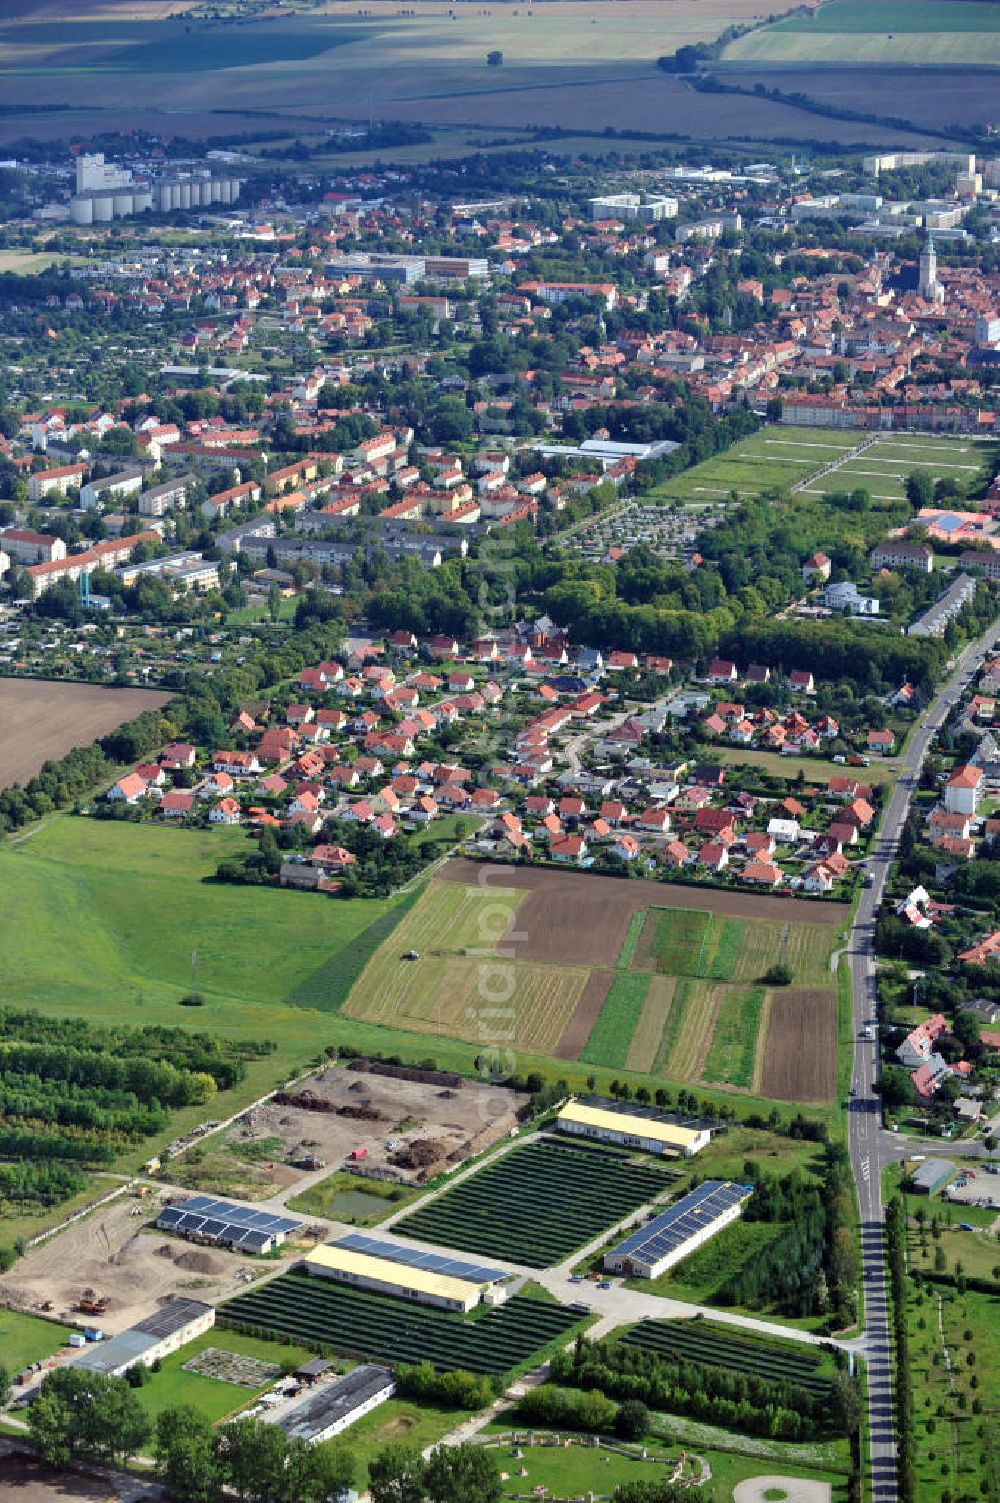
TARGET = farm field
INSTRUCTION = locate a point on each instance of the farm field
(775, 457)
(581, 66)
(911, 32)
(42, 721)
(536, 1205)
(800, 1054)
(354, 1323)
(882, 469)
(620, 975)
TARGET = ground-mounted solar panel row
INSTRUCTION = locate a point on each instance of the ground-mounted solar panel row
(690, 1339)
(354, 1323)
(538, 1204)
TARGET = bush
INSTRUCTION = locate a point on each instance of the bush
(778, 974)
(632, 1420)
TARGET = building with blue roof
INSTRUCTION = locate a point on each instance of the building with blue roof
(676, 1232)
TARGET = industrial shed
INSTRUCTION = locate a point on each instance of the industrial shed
(167, 1330)
(223, 1224)
(329, 1408)
(685, 1225)
(632, 1127)
(931, 1176)
(386, 1276)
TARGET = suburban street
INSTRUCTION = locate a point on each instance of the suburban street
(870, 1148)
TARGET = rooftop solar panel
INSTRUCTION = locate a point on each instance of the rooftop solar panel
(691, 1214)
(205, 1216)
(414, 1257)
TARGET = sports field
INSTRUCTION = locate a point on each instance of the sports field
(907, 32)
(605, 972)
(774, 458)
(883, 467)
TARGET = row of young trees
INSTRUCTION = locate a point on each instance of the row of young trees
(895, 1238)
(812, 1267)
(724, 1396)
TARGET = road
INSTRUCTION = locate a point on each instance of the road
(870, 1148)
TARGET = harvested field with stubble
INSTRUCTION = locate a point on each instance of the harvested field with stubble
(41, 721)
(800, 1055)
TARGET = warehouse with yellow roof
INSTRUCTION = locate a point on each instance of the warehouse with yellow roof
(633, 1126)
(390, 1269)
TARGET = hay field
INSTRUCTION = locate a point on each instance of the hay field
(42, 721)
(864, 32)
(464, 982)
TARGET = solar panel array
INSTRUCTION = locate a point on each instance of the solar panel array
(412, 1257)
(690, 1215)
(221, 1221)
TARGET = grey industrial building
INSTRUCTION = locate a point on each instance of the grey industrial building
(171, 1327)
(329, 1408)
(931, 1175)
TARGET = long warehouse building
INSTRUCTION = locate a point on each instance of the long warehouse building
(675, 1233)
(387, 1276)
(632, 1127)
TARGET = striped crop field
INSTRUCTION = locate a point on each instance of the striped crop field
(643, 1049)
(733, 1049)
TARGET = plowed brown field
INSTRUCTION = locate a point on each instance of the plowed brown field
(800, 1059)
(574, 918)
(40, 720)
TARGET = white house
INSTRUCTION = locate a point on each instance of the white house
(963, 790)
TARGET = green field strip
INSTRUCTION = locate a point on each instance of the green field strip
(733, 1048)
(674, 1024)
(611, 1036)
(632, 934)
(327, 988)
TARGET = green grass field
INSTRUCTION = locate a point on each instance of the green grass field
(210, 1396)
(26, 1338)
(611, 1035)
(879, 31)
(955, 1451)
(574, 1471)
(814, 770)
(731, 1054)
(116, 922)
(399, 1421)
(882, 469)
(774, 458)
